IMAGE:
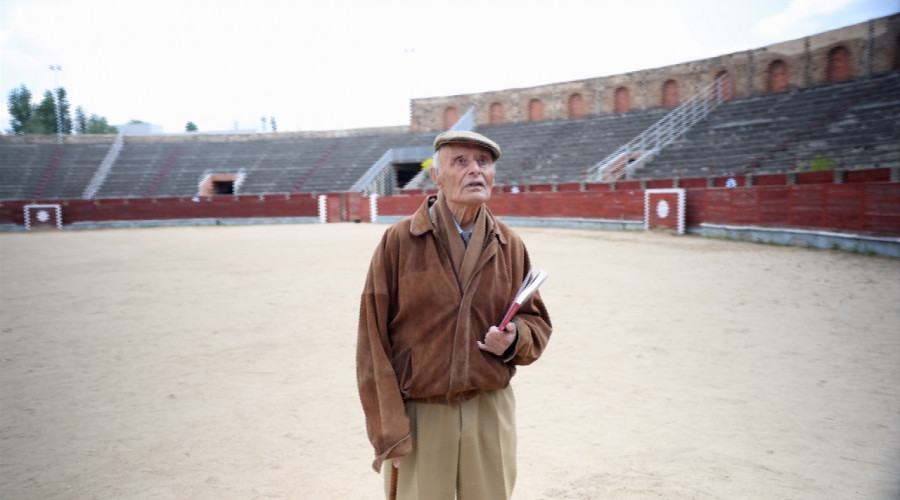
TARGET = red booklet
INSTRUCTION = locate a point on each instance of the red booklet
(529, 286)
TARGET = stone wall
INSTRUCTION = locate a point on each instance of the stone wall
(200, 136)
(871, 48)
(53, 138)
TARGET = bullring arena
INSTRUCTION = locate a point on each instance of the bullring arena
(218, 362)
(178, 312)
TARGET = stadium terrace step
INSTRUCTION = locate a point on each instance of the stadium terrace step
(856, 124)
(859, 119)
(24, 170)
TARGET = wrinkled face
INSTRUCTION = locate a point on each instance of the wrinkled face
(466, 173)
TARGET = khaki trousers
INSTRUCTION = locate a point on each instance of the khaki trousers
(467, 452)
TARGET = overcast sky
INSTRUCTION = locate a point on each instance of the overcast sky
(336, 64)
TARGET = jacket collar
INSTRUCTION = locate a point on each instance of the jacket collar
(422, 223)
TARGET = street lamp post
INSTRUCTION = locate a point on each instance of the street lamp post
(56, 69)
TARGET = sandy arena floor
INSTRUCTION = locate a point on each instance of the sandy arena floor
(218, 362)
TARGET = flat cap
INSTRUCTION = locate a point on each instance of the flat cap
(467, 137)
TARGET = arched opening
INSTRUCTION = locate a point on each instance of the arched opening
(777, 76)
(451, 116)
(576, 106)
(839, 69)
(670, 94)
(218, 184)
(621, 100)
(724, 85)
(405, 172)
(535, 110)
(496, 114)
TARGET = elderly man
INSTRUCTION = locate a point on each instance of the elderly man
(433, 369)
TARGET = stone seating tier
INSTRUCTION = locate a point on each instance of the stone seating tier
(855, 124)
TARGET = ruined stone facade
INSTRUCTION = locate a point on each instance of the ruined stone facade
(860, 50)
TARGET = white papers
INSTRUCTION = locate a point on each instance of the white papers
(529, 286)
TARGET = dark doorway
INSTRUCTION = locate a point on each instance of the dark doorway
(223, 187)
(405, 172)
(778, 76)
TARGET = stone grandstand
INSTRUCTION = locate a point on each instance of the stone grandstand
(269, 165)
(855, 125)
(847, 119)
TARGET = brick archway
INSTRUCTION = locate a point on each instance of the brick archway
(535, 110)
(496, 114)
(451, 116)
(726, 85)
(622, 100)
(670, 94)
(839, 68)
(777, 76)
(576, 106)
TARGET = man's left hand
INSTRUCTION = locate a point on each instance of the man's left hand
(497, 341)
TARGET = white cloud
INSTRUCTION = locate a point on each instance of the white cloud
(315, 64)
(798, 14)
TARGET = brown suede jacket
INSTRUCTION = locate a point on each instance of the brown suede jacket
(418, 325)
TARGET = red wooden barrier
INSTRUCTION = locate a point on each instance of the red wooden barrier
(626, 185)
(694, 182)
(770, 180)
(399, 205)
(134, 209)
(357, 207)
(569, 186)
(870, 208)
(823, 177)
(622, 205)
(660, 184)
(868, 175)
(334, 203)
(864, 202)
(882, 208)
(663, 209)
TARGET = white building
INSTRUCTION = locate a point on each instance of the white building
(140, 129)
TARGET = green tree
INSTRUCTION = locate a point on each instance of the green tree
(27, 118)
(80, 121)
(65, 117)
(273, 126)
(92, 125)
(190, 127)
(20, 109)
(43, 120)
(98, 125)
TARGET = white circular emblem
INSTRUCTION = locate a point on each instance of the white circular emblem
(731, 182)
(662, 209)
(43, 216)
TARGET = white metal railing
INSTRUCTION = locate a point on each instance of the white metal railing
(103, 169)
(420, 180)
(205, 175)
(640, 150)
(239, 180)
(379, 179)
(466, 121)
